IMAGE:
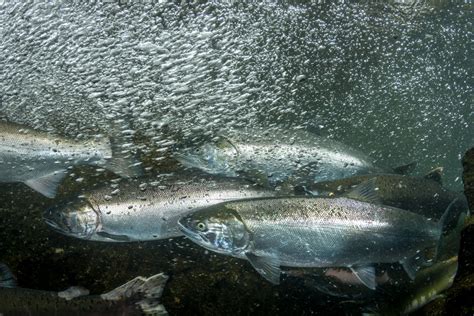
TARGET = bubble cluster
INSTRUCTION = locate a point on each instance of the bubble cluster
(389, 79)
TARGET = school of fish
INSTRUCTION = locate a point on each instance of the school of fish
(278, 200)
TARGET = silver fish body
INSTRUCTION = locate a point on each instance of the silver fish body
(333, 232)
(278, 157)
(312, 232)
(41, 161)
(134, 214)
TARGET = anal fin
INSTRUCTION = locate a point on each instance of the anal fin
(366, 274)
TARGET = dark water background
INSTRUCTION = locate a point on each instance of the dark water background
(392, 79)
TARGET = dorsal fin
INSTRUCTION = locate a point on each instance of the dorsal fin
(7, 279)
(367, 191)
(405, 169)
(435, 175)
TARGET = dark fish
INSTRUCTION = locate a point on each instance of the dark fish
(139, 296)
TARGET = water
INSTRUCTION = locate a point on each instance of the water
(392, 80)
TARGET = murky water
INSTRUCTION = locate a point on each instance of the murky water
(391, 80)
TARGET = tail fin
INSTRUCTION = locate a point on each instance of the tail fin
(450, 217)
(150, 289)
(7, 279)
(122, 162)
(447, 223)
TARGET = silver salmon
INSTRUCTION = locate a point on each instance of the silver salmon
(277, 157)
(139, 296)
(315, 232)
(41, 161)
(129, 213)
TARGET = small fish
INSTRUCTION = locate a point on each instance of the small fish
(277, 157)
(41, 161)
(134, 214)
(315, 232)
(139, 296)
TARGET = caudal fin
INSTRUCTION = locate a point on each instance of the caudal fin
(123, 162)
(125, 165)
(149, 291)
(447, 223)
(7, 279)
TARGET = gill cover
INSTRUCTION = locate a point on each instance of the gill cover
(220, 230)
(78, 219)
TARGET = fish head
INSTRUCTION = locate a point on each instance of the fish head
(78, 218)
(216, 228)
(214, 157)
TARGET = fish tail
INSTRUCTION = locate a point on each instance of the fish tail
(7, 279)
(447, 223)
(149, 291)
(123, 162)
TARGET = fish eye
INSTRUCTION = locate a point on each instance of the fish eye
(201, 226)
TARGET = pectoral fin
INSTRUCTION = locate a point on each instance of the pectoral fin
(366, 274)
(47, 184)
(269, 268)
(121, 238)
